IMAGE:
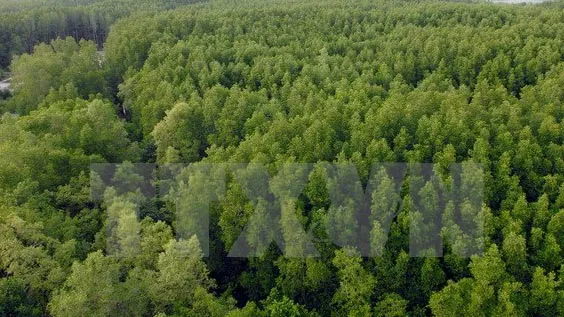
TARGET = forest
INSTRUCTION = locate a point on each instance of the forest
(26, 23)
(194, 86)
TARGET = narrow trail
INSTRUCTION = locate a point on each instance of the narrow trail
(5, 84)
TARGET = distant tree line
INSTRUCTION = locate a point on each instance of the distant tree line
(24, 24)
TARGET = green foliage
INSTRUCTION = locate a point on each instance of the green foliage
(91, 289)
(53, 66)
(356, 286)
(391, 305)
(23, 24)
(354, 83)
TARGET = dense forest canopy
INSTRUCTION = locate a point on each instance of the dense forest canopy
(26, 23)
(278, 82)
